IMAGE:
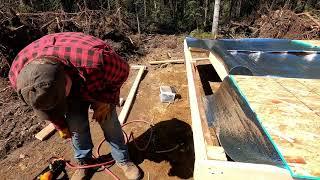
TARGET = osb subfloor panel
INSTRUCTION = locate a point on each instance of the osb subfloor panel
(290, 111)
(171, 127)
(313, 42)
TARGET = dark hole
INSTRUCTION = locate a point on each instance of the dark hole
(207, 74)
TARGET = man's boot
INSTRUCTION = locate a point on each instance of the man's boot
(84, 174)
(130, 170)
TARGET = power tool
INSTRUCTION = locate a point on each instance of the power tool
(55, 170)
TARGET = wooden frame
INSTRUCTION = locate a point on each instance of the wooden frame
(218, 65)
(205, 167)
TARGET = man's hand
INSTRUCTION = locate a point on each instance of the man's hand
(64, 133)
(102, 111)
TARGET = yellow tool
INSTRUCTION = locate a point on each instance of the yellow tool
(55, 169)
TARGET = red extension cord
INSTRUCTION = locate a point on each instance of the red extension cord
(111, 162)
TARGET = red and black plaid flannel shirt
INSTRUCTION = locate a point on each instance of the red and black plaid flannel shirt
(100, 68)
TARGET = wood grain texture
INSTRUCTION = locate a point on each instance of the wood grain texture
(211, 169)
(214, 150)
(198, 136)
(313, 42)
(45, 132)
(291, 108)
(127, 105)
(218, 65)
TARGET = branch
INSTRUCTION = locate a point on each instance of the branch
(57, 13)
(310, 17)
(48, 23)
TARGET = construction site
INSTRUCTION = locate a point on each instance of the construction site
(245, 107)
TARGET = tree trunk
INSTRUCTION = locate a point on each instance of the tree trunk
(119, 11)
(205, 13)
(238, 8)
(137, 14)
(145, 8)
(215, 19)
(109, 8)
(139, 32)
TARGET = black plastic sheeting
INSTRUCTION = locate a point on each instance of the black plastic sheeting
(238, 128)
(265, 57)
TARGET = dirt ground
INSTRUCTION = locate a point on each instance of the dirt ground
(17, 122)
(171, 124)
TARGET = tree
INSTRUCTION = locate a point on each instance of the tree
(215, 19)
(192, 15)
(205, 13)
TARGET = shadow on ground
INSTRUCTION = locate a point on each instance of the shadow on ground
(167, 135)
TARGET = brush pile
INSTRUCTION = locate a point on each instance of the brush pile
(287, 24)
(281, 23)
(17, 30)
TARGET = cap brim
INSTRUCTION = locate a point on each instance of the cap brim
(56, 113)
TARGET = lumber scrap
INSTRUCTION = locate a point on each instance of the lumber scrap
(127, 105)
(136, 67)
(174, 61)
(45, 132)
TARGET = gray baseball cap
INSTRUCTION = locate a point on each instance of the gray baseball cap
(41, 85)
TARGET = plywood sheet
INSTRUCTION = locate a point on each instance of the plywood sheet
(290, 111)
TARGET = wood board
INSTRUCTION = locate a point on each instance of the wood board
(45, 132)
(127, 105)
(174, 61)
(198, 136)
(218, 65)
(312, 42)
(289, 109)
